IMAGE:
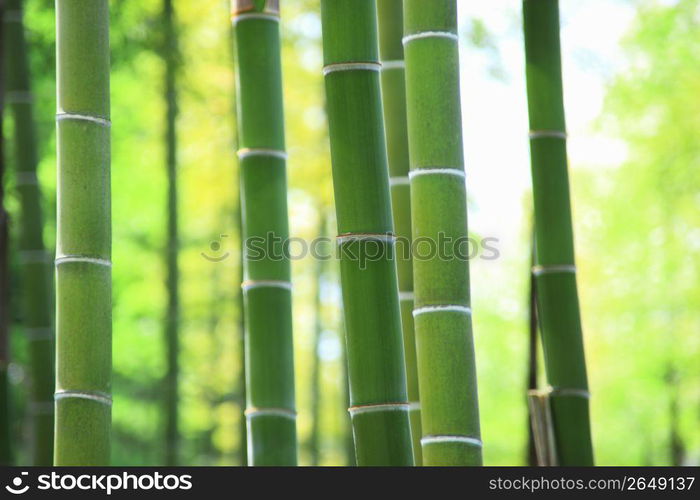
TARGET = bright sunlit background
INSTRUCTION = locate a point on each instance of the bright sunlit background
(632, 81)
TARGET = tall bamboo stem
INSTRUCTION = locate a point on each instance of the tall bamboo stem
(557, 298)
(445, 351)
(271, 410)
(5, 400)
(390, 15)
(36, 297)
(170, 55)
(379, 406)
(83, 246)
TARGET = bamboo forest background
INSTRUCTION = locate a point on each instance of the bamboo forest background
(635, 155)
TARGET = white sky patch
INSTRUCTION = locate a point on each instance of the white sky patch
(495, 109)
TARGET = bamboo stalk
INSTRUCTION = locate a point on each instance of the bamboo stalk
(34, 259)
(6, 454)
(445, 351)
(393, 80)
(271, 410)
(558, 309)
(83, 247)
(170, 55)
(378, 396)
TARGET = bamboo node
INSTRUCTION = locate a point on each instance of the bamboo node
(237, 17)
(99, 120)
(436, 171)
(377, 407)
(414, 405)
(350, 237)
(444, 308)
(275, 153)
(39, 333)
(450, 438)
(393, 64)
(547, 134)
(96, 396)
(553, 269)
(250, 284)
(270, 412)
(18, 96)
(399, 181)
(352, 66)
(64, 259)
(569, 391)
(430, 34)
(407, 296)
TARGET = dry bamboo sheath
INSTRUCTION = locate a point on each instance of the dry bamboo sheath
(393, 79)
(83, 247)
(271, 411)
(379, 406)
(446, 367)
(35, 265)
(557, 298)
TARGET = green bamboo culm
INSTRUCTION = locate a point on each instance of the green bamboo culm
(378, 398)
(83, 246)
(442, 314)
(6, 455)
(271, 414)
(557, 298)
(393, 79)
(170, 56)
(34, 259)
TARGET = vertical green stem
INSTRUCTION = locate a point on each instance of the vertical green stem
(170, 55)
(34, 259)
(442, 314)
(379, 406)
(5, 401)
(83, 247)
(390, 15)
(555, 270)
(271, 410)
(316, 393)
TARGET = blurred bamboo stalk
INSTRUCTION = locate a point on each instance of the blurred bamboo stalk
(271, 413)
(379, 405)
(314, 444)
(84, 237)
(393, 80)
(36, 296)
(5, 400)
(442, 314)
(555, 271)
(171, 58)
